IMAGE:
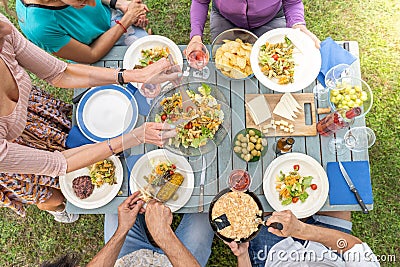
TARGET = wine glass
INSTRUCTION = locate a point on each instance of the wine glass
(239, 180)
(331, 77)
(150, 90)
(356, 139)
(198, 59)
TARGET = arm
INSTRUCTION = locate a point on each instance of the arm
(158, 221)
(295, 228)
(127, 213)
(241, 252)
(154, 133)
(80, 52)
(198, 17)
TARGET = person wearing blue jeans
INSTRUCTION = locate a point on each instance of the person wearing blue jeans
(321, 240)
(128, 244)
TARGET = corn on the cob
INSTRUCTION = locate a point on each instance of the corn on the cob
(170, 187)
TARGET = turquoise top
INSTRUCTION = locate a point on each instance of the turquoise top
(51, 28)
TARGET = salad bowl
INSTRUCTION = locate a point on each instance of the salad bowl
(194, 137)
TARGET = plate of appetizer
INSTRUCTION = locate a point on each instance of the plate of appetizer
(297, 182)
(165, 176)
(93, 186)
(285, 60)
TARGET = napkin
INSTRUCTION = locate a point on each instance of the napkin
(339, 192)
(75, 138)
(143, 102)
(332, 54)
(130, 161)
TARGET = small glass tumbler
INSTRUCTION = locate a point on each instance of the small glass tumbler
(239, 180)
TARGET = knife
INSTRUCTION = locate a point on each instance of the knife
(202, 179)
(353, 188)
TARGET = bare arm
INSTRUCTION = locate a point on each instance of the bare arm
(241, 251)
(80, 52)
(127, 213)
(154, 133)
(158, 221)
(295, 228)
(80, 76)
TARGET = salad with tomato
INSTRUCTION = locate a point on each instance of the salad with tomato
(149, 56)
(292, 186)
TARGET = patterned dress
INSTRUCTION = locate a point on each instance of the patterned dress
(32, 136)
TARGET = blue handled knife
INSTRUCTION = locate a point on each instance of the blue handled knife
(353, 188)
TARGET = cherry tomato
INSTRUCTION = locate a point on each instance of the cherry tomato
(173, 166)
(313, 186)
(275, 57)
(295, 199)
(188, 126)
(151, 62)
(163, 117)
(296, 167)
(171, 172)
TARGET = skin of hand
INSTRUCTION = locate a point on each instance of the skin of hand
(291, 224)
(128, 211)
(193, 45)
(238, 249)
(156, 73)
(134, 10)
(158, 220)
(304, 29)
(154, 133)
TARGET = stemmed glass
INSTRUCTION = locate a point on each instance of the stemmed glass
(198, 59)
(356, 139)
(331, 77)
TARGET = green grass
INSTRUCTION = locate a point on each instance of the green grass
(374, 24)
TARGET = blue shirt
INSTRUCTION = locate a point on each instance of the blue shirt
(51, 28)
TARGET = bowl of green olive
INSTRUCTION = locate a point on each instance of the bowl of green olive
(250, 144)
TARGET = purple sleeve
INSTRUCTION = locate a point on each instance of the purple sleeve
(294, 12)
(198, 16)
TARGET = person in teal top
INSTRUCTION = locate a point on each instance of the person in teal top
(82, 31)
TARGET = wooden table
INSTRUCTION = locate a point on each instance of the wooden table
(223, 160)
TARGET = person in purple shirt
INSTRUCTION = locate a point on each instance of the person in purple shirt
(257, 16)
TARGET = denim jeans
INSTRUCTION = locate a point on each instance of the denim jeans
(264, 241)
(194, 231)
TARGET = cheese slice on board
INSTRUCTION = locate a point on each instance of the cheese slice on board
(280, 110)
(289, 100)
(293, 100)
(259, 109)
(290, 108)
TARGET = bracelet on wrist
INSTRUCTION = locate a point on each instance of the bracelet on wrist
(122, 25)
(110, 147)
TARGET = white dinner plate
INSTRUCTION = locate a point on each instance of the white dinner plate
(106, 112)
(133, 53)
(307, 62)
(308, 167)
(100, 196)
(143, 167)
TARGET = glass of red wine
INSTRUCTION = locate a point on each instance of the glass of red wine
(239, 180)
(198, 58)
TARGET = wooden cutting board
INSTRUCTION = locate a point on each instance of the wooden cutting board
(304, 124)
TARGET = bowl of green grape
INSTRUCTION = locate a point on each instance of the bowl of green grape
(350, 92)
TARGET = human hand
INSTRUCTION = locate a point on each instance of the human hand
(238, 249)
(161, 71)
(304, 29)
(142, 22)
(128, 211)
(155, 133)
(158, 220)
(194, 44)
(135, 10)
(291, 225)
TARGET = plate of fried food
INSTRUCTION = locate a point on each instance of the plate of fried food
(93, 186)
(164, 176)
(231, 51)
(149, 49)
(285, 60)
(241, 223)
(296, 182)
